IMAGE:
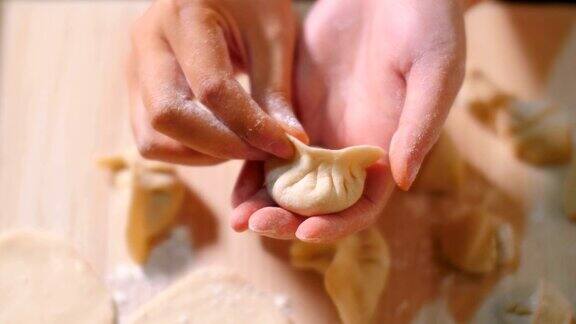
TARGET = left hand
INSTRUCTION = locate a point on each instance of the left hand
(380, 72)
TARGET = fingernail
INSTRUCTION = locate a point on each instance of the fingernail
(305, 236)
(260, 227)
(310, 240)
(412, 174)
(283, 113)
(237, 225)
(289, 121)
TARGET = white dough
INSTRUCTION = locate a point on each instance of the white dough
(210, 296)
(43, 280)
(320, 181)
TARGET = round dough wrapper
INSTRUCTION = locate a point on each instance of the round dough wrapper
(43, 280)
(210, 296)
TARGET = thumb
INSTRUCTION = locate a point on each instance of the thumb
(431, 89)
(270, 71)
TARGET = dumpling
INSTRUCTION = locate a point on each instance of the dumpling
(355, 272)
(443, 170)
(320, 181)
(546, 305)
(156, 196)
(477, 241)
(538, 132)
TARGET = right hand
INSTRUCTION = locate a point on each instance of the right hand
(187, 107)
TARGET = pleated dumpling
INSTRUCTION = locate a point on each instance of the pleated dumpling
(355, 271)
(320, 181)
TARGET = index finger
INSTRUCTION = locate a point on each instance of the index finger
(201, 48)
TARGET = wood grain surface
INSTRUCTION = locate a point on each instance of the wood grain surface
(63, 103)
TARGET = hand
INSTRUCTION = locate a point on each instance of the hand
(187, 107)
(379, 72)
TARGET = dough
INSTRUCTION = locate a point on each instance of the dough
(156, 196)
(43, 280)
(443, 170)
(476, 241)
(484, 97)
(210, 296)
(547, 305)
(355, 272)
(320, 181)
(538, 132)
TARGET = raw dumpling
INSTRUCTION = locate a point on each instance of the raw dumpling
(477, 241)
(320, 181)
(546, 305)
(355, 272)
(484, 98)
(538, 132)
(156, 196)
(443, 170)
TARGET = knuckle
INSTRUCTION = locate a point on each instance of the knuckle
(148, 148)
(212, 88)
(163, 116)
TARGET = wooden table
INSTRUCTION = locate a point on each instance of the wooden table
(63, 103)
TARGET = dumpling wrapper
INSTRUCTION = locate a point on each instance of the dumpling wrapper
(320, 181)
(44, 280)
(355, 272)
(210, 296)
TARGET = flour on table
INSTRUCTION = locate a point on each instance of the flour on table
(132, 284)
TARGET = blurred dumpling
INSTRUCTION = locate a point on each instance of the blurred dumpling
(546, 305)
(320, 181)
(538, 132)
(155, 198)
(355, 271)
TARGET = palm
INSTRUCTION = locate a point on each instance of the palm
(348, 90)
(380, 72)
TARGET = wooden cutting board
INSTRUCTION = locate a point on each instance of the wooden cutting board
(63, 103)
